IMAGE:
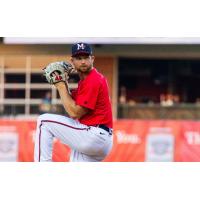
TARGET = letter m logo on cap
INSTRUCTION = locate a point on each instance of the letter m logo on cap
(80, 46)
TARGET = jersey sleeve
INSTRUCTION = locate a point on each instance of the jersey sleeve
(88, 94)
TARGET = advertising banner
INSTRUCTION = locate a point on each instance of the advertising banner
(134, 141)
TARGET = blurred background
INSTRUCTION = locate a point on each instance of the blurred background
(153, 85)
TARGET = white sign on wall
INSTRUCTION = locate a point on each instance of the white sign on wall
(160, 145)
(8, 146)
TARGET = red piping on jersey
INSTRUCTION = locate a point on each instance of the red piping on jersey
(80, 129)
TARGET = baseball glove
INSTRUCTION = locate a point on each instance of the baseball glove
(62, 68)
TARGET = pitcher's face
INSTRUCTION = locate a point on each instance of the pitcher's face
(83, 63)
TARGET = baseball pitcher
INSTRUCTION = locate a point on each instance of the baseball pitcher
(88, 129)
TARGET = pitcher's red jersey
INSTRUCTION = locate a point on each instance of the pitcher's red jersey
(93, 93)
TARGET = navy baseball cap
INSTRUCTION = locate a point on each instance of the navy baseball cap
(81, 49)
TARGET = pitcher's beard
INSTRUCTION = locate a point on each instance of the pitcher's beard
(85, 69)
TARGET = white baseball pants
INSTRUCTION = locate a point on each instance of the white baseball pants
(88, 143)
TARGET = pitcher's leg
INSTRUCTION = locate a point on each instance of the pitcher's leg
(43, 144)
(78, 137)
(65, 129)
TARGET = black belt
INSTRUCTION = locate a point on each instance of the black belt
(109, 130)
